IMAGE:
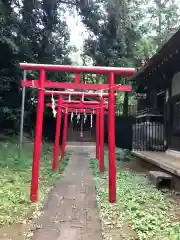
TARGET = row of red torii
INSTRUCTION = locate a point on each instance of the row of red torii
(99, 108)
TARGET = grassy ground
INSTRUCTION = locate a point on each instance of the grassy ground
(141, 211)
(15, 179)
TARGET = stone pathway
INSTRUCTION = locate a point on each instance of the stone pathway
(71, 210)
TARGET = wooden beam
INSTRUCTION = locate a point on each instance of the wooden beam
(86, 94)
(124, 72)
(80, 106)
(81, 86)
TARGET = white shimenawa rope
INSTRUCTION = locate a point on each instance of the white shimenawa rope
(72, 116)
(81, 129)
(85, 116)
(78, 118)
(92, 118)
(53, 106)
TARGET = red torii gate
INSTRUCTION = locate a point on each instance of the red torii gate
(110, 87)
(83, 108)
(58, 121)
(99, 140)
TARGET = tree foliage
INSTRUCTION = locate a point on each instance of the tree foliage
(127, 33)
(112, 35)
(30, 31)
(121, 33)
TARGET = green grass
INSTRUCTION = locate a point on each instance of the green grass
(141, 211)
(15, 179)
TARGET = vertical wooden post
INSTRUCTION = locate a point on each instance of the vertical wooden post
(101, 135)
(64, 133)
(111, 141)
(97, 134)
(57, 135)
(38, 139)
(77, 78)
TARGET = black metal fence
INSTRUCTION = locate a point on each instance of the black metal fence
(123, 131)
(148, 136)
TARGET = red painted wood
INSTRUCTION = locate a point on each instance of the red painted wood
(57, 135)
(89, 111)
(64, 134)
(86, 94)
(43, 84)
(97, 135)
(101, 133)
(111, 142)
(81, 86)
(84, 102)
(78, 69)
(38, 139)
(81, 106)
(77, 78)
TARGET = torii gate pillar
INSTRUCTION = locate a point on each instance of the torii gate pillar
(111, 141)
(57, 136)
(38, 138)
(101, 135)
(63, 147)
(97, 134)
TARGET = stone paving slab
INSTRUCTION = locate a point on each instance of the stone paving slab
(70, 212)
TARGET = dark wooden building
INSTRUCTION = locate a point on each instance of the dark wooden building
(158, 84)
